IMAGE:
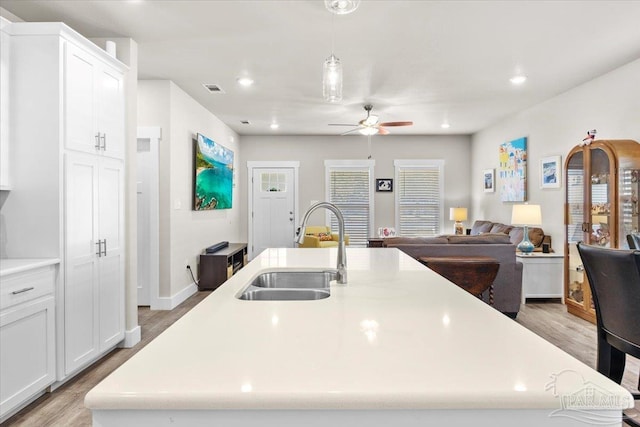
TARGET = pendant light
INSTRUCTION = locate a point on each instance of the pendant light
(332, 79)
(332, 75)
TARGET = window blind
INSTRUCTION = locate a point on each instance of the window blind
(349, 190)
(419, 200)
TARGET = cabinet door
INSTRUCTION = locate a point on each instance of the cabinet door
(111, 261)
(80, 100)
(27, 353)
(80, 289)
(4, 110)
(111, 111)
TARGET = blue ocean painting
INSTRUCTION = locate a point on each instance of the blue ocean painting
(213, 175)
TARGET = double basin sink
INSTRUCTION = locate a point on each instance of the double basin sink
(289, 285)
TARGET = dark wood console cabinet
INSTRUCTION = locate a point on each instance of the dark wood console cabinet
(214, 269)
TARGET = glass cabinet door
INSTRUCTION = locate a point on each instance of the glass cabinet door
(600, 216)
(628, 190)
(575, 225)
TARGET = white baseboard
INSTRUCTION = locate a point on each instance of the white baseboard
(131, 337)
(169, 303)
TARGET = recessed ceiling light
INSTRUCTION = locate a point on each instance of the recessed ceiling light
(445, 125)
(518, 80)
(245, 81)
(274, 126)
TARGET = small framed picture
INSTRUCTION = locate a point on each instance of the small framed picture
(550, 172)
(384, 184)
(488, 180)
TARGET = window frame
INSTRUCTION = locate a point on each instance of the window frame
(353, 165)
(419, 164)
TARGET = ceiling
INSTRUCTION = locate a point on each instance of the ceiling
(424, 61)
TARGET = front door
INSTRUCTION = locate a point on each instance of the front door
(273, 201)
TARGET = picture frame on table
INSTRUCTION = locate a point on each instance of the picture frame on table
(550, 172)
(489, 180)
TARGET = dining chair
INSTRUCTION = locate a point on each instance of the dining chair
(633, 240)
(614, 279)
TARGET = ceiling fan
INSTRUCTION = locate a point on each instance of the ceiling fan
(370, 126)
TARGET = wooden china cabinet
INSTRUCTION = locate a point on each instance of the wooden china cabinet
(601, 208)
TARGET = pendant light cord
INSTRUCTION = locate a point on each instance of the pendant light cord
(333, 16)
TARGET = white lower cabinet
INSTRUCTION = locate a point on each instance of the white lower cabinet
(94, 271)
(27, 337)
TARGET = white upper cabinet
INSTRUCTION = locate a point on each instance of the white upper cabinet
(80, 100)
(110, 117)
(94, 104)
(5, 46)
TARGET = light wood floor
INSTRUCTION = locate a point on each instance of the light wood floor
(64, 406)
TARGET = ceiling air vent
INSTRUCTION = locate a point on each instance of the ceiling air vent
(213, 88)
(244, 122)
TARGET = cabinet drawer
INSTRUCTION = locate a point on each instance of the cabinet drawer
(27, 285)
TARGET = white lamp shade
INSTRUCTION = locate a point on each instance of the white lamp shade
(458, 214)
(526, 215)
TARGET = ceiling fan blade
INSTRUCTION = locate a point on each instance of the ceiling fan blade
(382, 131)
(341, 124)
(396, 124)
(349, 131)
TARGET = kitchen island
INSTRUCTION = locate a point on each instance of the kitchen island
(397, 345)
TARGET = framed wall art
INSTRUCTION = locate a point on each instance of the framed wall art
(550, 172)
(384, 185)
(488, 180)
(513, 170)
(212, 175)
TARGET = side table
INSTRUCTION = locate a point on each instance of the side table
(541, 275)
(375, 242)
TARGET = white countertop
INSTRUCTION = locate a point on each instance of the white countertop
(397, 336)
(17, 265)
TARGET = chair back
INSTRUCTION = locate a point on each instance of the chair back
(614, 279)
(634, 241)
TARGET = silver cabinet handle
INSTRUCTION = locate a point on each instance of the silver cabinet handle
(97, 146)
(99, 243)
(105, 247)
(22, 290)
(104, 142)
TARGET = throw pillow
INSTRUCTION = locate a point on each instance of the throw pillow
(324, 237)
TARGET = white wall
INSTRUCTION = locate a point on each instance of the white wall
(610, 104)
(311, 151)
(184, 233)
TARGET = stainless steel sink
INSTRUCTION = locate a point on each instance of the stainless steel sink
(275, 294)
(289, 285)
(295, 279)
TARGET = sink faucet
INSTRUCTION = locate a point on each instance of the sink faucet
(342, 257)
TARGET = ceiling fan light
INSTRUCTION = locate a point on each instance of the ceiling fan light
(341, 7)
(368, 131)
(332, 79)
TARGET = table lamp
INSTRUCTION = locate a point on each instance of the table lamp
(458, 215)
(526, 215)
